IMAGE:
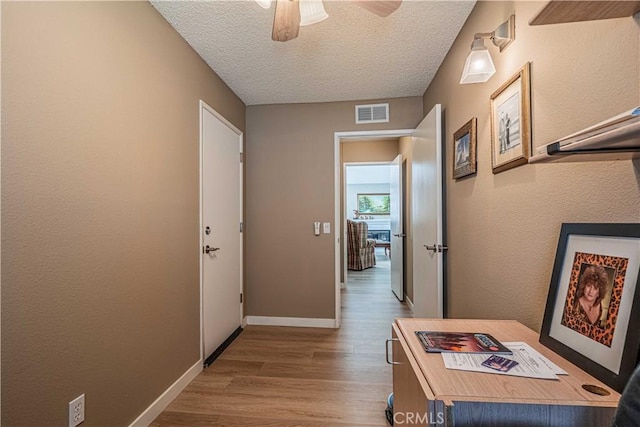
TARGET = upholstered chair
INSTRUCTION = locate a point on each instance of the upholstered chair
(360, 250)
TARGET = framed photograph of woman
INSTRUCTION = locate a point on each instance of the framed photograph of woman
(593, 306)
(464, 150)
(511, 122)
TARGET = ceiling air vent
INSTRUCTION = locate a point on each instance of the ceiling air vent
(372, 113)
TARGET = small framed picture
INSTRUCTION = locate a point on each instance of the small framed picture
(511, 122)
(592, 315)
(464, 150)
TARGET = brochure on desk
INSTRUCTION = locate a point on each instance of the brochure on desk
(460, 342)
(530, 363)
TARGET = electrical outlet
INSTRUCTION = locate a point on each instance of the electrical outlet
(76, 411)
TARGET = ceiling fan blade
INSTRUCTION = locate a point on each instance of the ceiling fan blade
(379, 7)
(286, 22)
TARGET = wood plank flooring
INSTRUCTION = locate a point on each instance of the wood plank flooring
(282, 376)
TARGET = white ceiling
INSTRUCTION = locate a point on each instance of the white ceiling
(352, 55)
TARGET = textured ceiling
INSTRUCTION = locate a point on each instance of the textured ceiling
(352, 55)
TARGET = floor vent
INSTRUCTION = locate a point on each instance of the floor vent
(372, 113)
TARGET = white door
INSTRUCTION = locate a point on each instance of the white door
(221, 237)
(397, 227)
(427, 204)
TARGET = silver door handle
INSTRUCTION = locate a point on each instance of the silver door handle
(386, 351)
(400, 235)
(208, 249)
(436, 248)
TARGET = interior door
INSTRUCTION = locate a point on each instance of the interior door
(221, 237)
(427, 208)
(397, 227)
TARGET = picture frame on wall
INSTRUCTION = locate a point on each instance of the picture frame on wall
(464, 150)
(592, 313)
(373, 204)
(511, 122)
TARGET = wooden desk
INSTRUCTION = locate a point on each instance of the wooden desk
(426, 392)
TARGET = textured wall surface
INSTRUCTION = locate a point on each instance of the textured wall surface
(503, 229)
(289, 185)
(100, 200)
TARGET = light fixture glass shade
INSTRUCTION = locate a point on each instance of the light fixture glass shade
(478, 68)
(266, 4)
(311, 12)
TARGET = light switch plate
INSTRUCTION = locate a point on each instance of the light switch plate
(326, 227)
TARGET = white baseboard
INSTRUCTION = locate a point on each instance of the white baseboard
(165, 398)
(291, 321)
(409, 302)
(244, 322)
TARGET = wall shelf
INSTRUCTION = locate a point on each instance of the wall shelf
(617, 138)
(557, 12)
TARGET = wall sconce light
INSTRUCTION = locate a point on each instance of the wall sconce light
(478, 68)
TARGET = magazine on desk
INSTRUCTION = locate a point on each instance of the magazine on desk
(460, 342)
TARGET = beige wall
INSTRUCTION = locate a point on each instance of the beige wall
(289, 185)
(368, 151)
(503, 229)
(100, 135)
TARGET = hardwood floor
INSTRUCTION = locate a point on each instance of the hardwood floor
(282, 376)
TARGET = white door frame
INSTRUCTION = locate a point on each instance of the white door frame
(397, 240)
(337, 139)
(202, 106)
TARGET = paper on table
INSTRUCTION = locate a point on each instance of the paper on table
(526, 348)
(530, 363)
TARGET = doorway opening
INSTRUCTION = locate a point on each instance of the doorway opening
(366, 194)
(373, 149)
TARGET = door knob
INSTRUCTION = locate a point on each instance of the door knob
(431, 248)
(436, 248)
(208, 249)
